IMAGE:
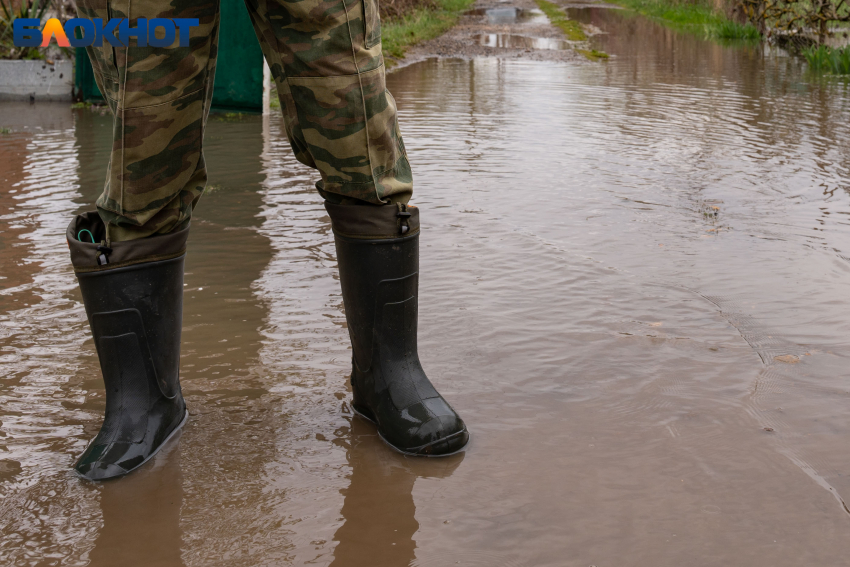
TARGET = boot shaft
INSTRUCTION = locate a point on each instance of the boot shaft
(379, 273)
(133, 294)
(378, 254)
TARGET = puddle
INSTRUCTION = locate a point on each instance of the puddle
(512, 41)
(508, 15)
(620, 265)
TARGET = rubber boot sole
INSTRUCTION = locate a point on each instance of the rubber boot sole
(408, 453)
(151, 456)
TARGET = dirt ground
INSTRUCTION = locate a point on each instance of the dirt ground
(481, 33)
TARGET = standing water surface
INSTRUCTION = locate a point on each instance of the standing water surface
(634, 289)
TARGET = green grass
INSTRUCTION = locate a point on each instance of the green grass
(592, 54)
(827, 59)
(571, 28)
(421, 25)
(732, 30)
(677, 14)
(4, 130)
(695, 18)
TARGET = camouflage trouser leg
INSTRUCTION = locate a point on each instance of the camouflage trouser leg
(326, 60)
(325, 56)
(160, 98)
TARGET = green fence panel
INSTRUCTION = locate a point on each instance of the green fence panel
(84, 82)
(239, 69)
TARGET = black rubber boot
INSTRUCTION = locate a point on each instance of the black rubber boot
(378, 254)
(133, 294)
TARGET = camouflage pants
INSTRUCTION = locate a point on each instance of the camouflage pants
(325, 56)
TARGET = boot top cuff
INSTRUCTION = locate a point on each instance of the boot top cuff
(90, 253)
(374, 222)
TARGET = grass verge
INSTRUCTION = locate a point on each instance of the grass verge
(571, 28)
(558, 18)
(421, 24)
(593, 55)
(732, 30)
(695, 18)
(827, 59)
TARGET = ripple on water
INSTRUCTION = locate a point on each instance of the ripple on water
(41, 364)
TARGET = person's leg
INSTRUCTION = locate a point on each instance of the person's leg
(327, 63)
(128, 256)
(160, 98)
(330, 77)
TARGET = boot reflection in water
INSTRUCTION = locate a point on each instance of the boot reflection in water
(378, 509)
(141, 517)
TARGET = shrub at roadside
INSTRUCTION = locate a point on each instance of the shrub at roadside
(11, 10)
(798, 22)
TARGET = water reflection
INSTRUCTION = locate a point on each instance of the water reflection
(42, 369)
(509, 15)
(141, 515)
(378, 510)
(512, 41)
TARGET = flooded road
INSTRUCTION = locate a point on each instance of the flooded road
(634, 289)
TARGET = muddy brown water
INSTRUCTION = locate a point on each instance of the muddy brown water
(634, 289)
